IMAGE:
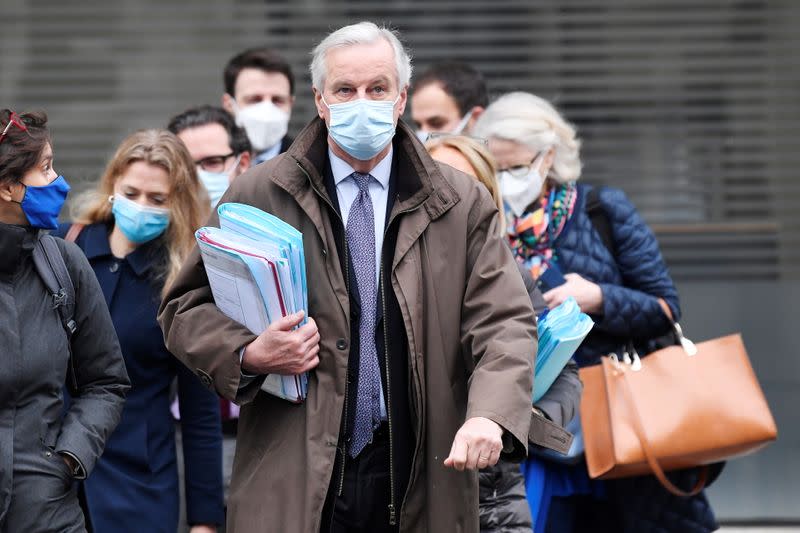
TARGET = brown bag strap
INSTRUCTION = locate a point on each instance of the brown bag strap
(73, 232)
(648, 452)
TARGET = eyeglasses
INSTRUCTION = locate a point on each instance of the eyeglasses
(519, 171)
(214, 163)
(15, 120)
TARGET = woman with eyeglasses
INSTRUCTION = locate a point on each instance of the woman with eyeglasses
(49, 341)
(589, 243)
(136, 228)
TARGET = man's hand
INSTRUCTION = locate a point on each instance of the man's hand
(477, 445)
(281, 350)
(588, 295)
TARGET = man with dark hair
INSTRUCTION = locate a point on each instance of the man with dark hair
(219, 147)
(259, 92)
(448, 98)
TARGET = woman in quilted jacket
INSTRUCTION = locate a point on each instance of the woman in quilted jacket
(591, 244)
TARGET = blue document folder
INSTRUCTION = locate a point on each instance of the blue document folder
(255, 265)
(561, 331)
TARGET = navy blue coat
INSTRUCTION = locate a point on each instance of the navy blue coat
(632, 282)
(632, 277)
(134, 486)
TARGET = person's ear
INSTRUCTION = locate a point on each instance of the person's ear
(549, 159)
(244, 163)
(7, 191)
(227, 103)
(477, 111)
(321, 107)
(401, 103)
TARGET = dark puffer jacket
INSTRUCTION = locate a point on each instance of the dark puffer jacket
(632, 279)
(632, 282)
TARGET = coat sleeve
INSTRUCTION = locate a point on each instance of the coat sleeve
(498, 329)
(200, 335)
(633, 310)
(563, 398)
(201, 433)
(99, 370)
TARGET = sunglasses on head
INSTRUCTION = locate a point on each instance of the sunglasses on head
(13, 120)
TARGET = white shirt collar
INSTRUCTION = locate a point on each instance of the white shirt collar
(342, 170)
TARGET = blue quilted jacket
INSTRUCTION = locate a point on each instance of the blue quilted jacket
(632, 282)
(632, 279)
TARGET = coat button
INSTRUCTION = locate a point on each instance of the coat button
(114, 267)
(341, 344)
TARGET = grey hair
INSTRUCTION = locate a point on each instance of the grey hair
(362, 33)
(533, 122)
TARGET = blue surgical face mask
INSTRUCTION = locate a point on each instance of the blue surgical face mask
(138, 223)
(41, 205)
(216, 183)
(362, 128)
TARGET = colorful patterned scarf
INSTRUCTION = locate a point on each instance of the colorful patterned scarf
(532, 235)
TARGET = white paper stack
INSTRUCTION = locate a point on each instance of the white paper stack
(256, 269)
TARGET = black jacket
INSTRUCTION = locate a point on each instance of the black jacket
(36, 488)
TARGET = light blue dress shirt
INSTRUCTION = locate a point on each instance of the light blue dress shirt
(267, 154)
(346, 193)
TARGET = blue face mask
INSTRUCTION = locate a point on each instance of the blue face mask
(216, 183)
(362, 128)
(138, 223)
(41, 205)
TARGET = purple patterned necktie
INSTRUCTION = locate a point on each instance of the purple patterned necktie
(361, 241)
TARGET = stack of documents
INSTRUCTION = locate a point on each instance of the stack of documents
(256, 269)
(561, 331)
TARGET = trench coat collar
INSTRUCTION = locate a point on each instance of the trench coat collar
(419, 180)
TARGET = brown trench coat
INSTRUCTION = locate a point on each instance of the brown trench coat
(468, 320)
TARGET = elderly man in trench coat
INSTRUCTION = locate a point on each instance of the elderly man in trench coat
(422, 338)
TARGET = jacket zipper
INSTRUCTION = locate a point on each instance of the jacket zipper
(392, 497)
(392, 507)
(343, 449)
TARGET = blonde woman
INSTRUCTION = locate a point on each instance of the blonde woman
(503, 504)
(136, 228)
(589, 243)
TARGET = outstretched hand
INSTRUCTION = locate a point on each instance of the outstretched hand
(477, 445)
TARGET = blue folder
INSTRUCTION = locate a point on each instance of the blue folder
(561, 331)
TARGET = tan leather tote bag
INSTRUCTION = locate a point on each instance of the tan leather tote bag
(679, 407)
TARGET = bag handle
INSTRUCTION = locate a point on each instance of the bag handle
(658, 472)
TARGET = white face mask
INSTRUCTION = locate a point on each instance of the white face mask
(520, 191)
(265, 123)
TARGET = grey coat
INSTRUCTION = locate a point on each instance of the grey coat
(37, 492)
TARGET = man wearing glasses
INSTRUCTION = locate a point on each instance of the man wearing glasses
(219, 147)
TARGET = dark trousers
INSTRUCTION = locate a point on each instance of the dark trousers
(363, 505)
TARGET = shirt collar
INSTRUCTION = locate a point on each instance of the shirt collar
(269, 153)
(342, 170)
